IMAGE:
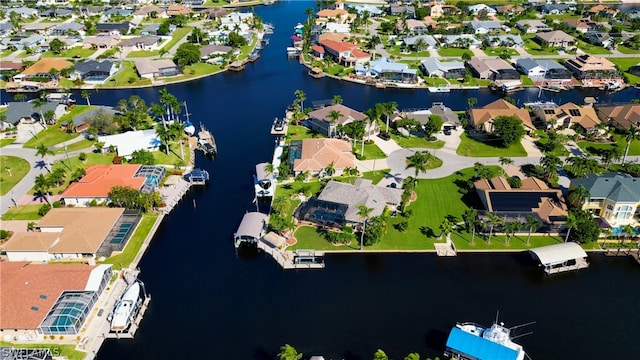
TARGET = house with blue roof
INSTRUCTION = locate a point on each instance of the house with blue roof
(484, 27)
(613, 197)
(387, 70)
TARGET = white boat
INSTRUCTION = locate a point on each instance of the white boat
(189, 129)
(126, 308)
(439, 89)
(472, 341)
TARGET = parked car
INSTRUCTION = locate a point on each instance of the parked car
(384, 136)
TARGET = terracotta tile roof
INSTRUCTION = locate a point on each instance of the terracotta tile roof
(177, 9)
(531, 183)
(623, 115)
(46, 64)
(100, 179)
(317, 154)
(549, 208)
(331, 36)
(338, 46)
(348, 114)
(331, 13)
(84, 229)
(500, 108)
(317, 48)
(25, 285)
(31, 241)
(357, 53)
(589, 62)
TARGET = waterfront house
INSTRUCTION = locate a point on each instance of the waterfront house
(149, 11)
(106, 41)
(449, 117)
(554, 72)
(315, 155)
(589, 67)
(428, 42)
(148, 43)
(399, 9)
(81, 123)
(28, 113)
(73, 234)
(613, 197)
(48, 299)
(43, 70)
(433, 67)
(482, 118)
(118, 12)
(5, 29)
(95, 185)
(599, 39)
(492, 68)
(336, 28)
(386, 70)
(66, 29)
(178, 9)
(554, 9)
(566, 115)
(603, 11)
(582, 25)
(152, 69)
(532, 26)
(340, 16)
(337, 204)
(623, 117)
(95, 71)
(558, 39)
(128, 142)
(214, 51)
(484, 27)
(532, 198)
(530, 68)
(317, 51)
(413, 26)
(345, 53)
(321, 122)
(361, 8)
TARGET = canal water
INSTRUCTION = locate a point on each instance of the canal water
(209, 303)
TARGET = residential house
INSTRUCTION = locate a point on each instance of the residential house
(511, 41)
(150, 11)
(332, 27)
(317, 51)
(313, 156)
(119, 12)
(23, 43)
(589, 67)
(433, 67)
(81, 122)
(178, 9)
(66, 29)
(28, 112)
(603, 10)
(42, 69)
(74, 234)
(484, 27)
(345, 53)
(151, 69)
(599, 39)
(214, 51)
(141, 43)
(478, 8)
(558, 38)
(321, 122)
(388, 71)
(532, 198)
(5, 29)
(428, 42)
(24, 12)
(623, 117)
(554, 72)
(582, 25)
(340, 16)
(436, 9)
(49, 299)
(449, 117)
(510, 9)
(554, 9)
(361, 8)
(193, 2)
(532, 26)
(398, 9)
(566, 115)
(613, 197)
(106, 41)
(465, 41)
(95, 71)
(338, 203)
(128, 142)
(482, 118)
(56, 12)
(115, 28)
(530, 68)
(413, 26)
(34, 27)
(492, 68)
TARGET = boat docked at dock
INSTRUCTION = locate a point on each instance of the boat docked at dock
(474, 342)
(197, 176)
(127, 307)
(206, 142)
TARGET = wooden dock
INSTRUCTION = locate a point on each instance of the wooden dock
(580, 264)
(130, 333)
(296, 259)
(445, 249)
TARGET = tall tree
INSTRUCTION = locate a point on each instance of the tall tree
(330, 169)
(446, 227)
(578, 195)
(334, 116)
(510, 228)
(550, 165)
(337, 99)
(85, 95)
(388, 109)
(531, 223)
(470, 218)
(300, 98)
(363, 213)
(42, 151)
(509, 129)
(570, 224)
(418, 161)
(372, 43)
(632, 134)
(493, 221)
(42, 186)
(472, 102)
(505, 161)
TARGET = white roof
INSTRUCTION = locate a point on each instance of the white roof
(559, 253)
(95, 277)
(252, 225)
(130, 141)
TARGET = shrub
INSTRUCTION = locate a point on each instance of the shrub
(131, 80)
(4, 234)
(82, 156)
(514, 182)
(93, 202)
(44, 209)
(402, 226)
(57, 204)
(117, 160)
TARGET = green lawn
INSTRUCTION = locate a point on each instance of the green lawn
(309, 238)
(543, 140)
(78, 145)
(142, 53)
(175, 37)
(66, 351)
(375, 176)
(299, 132)
(22, 212)
(591, 49)
(497, 51)
(53, 135)
(6, 141)
(126, 76)
(416, 142)
(12, 170)
(371, 151)
(627, 50)
(291, 189)
(435, 81)
(473, 148)
(174, 154)
(593, 148)
(395, 51)
(134, 244)
(526, 81)
(69, 53)
(534, 48)
(195, 70)
(453, 52)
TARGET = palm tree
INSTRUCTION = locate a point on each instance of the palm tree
(493, 220)
(531, 223)
(510, 229)
(471, 102)
(412, 356)
(632, 134)
(85, 95)
(38, 104)
(334, 116)
(550, 165)
(164, 134)
(42, 186)
(388, 109)
(380, 355)
(337, 99)
(470, 218)
(269, 169)
(418, 161)
(628, 232)
(288, 352)
(57, 176)
(505, 161)
(578, 196)
(330, 170)
(300, 98)
(446, 227)
(280, 204)
(363, 213)
(372, 43)
(42, 151)
(20, 97)
(570, 224)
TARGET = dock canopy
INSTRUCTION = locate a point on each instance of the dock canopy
(472, 346)
(561, 257)
(251, 228)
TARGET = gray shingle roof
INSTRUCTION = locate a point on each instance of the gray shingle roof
(617, 187)
(92, 65)
(19, 110)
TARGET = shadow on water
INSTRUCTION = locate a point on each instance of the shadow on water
(435, 339)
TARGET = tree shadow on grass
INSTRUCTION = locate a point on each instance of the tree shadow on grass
(427, 231)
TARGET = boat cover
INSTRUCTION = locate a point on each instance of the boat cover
(476, 347)
(559, 253)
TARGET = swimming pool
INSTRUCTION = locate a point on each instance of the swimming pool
(619, 231)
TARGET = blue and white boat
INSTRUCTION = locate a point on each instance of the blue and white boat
(126, 308)
(197, 176)
(470, 341)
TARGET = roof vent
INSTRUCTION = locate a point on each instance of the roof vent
(35, 308)
(43, 296)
